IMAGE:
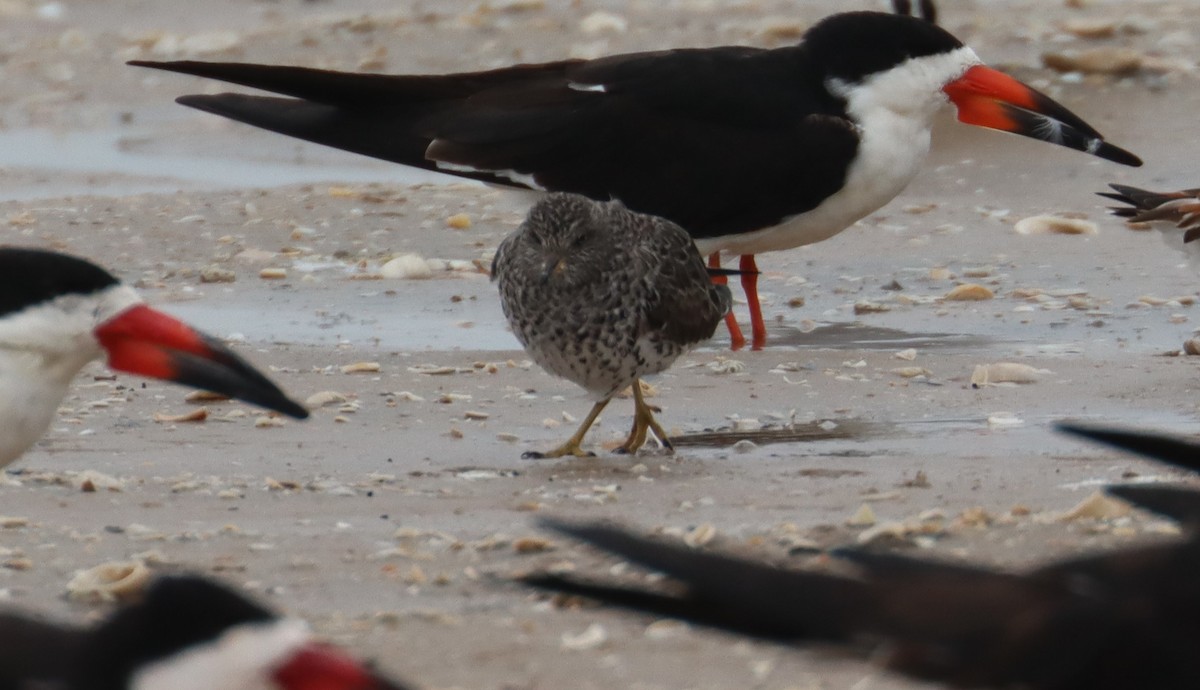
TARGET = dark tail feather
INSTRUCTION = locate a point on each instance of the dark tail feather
(730, 593)
(892, 566)
(346, 89)
(1174, 502)
(1172, 451)
(1141, 200)
(32, 650)
(684, 608)
(374, 133)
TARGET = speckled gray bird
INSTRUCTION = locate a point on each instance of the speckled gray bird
(603, 296)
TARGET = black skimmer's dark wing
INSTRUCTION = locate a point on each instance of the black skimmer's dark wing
(1180, 452)
(1127, 619)
(1178, 503)
(615, 127)
(1142, 205)
(749, 150)
(59, 312)
(186, 633)
(34, 649)
(1176, 215)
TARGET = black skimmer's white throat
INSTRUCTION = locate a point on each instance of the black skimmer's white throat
(59, 312)
(187, 633)
(1174, 214)
(1108, 621)
(749, 150)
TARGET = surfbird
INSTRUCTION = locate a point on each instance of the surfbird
(603, 296)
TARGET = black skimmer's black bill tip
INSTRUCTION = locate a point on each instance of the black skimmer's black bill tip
(989, 98)
(1045, 128)
(1175, 502)
(141, 340)
(1168, 449)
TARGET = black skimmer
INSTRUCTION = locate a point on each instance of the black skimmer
(59, 312)
(749, 150)
(1175, 214)
(186, 633)
(602, 296)
(1121, 619)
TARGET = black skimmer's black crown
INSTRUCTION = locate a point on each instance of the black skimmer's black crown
(749, 150)
(186, 633)
(1107, 621)
(59, 312)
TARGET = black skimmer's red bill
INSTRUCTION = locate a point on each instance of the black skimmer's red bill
(186, 633)
(1175, 214)
(59, 312)
(749, 150)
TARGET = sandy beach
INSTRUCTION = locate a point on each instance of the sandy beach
(394, 517)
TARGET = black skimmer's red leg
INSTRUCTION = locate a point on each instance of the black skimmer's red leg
(736, 340)
(749, 150)
(59, 312)
(185, 633)
(758, 328)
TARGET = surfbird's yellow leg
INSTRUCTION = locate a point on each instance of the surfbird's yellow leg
(643, 421)
(574, 445)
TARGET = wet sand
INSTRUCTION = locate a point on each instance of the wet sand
(391, 520)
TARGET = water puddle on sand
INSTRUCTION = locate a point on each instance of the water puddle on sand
(120, 162)
(854, 335)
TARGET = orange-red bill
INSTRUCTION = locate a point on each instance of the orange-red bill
(321, 667)
(988, 98)
(143, 341)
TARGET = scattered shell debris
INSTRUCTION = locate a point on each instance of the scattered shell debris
(1098, 506)
(205, 397)
(1054, 225)
(725, 365)
(594, 636)
(199, 414)
(406, 267)
(701, 535)
(111, 581)
(863, 517)
(324, 399)
(1005, 372)
(969, 292)
(1107, 60)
